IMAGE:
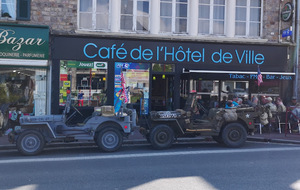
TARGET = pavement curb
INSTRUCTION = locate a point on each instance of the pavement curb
(264, 139)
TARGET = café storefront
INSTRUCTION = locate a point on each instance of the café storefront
(24, 56)
(158, 74)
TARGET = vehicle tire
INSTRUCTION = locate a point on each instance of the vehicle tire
(234, 135)
(218, 139)
(109, 139)
(30, 142)
(161, 137)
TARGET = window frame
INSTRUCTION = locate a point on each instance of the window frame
(134, 17)
(174, 17)
(211, 19)
(248, 21)
(94, 16)
(86, 74)
(16, 2)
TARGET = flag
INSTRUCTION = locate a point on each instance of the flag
(259, 77)
(123, 83)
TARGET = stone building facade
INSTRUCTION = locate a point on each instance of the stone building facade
(61, 16)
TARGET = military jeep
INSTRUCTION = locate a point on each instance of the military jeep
(104, 127)
(225, 126)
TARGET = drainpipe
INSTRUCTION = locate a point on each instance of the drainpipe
(297, 49)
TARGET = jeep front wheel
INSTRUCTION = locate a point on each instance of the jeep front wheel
(161, 137)
(234, 135)
(30, 142)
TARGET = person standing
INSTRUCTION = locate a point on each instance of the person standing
(293, 103)
(280, 106)
(80, 98)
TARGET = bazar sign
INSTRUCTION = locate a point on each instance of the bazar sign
(20, 42)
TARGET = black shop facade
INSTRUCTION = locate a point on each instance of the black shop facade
(152, 75)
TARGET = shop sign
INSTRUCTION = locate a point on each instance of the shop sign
(254, 76)
(287, 12)
(24, 42)
(100, 65)
(286, 32)
(63, 77)
(209, 56)
(245, 76)
(81, 64)
(66, 84)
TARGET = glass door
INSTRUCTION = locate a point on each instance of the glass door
(162, 92)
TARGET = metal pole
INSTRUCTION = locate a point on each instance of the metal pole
(297, 50)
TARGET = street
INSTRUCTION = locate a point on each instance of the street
(204, 165)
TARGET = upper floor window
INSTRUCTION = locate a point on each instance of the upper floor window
(135, 15)
(248, 18)
(211, 17)
(8, 9)
(94, 14)
(173, 16)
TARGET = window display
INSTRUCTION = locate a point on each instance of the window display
(132, 86)
(85, 81)
(22, 92)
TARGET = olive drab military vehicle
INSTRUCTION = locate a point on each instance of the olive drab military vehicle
(226, 126)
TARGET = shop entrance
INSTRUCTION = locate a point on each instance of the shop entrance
(162, 92)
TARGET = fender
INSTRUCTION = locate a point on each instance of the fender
(173, 123)
(125, 123)
(39, 126)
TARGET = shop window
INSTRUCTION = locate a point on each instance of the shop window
(94, 14)
(135, 15)
(22, 92)
(163, 67)
(211, 17)
(239, 89)
(173, 16)
(132, 86)
(207, 91)
(267, 88)
(248, 18)
(86, 82)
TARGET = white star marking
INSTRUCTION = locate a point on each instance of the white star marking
(247, 115)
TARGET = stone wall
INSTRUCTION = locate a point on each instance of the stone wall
(59, 15)
(271, 20)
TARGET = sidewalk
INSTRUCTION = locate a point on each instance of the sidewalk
(293, 138)
(137, 138)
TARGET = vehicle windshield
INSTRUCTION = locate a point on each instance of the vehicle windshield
(189, 102)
